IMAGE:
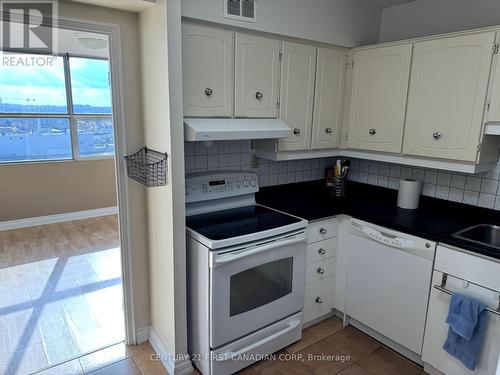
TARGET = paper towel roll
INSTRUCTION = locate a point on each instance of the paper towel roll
(409, 193)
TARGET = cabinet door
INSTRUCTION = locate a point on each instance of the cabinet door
(207, 55)
(297, 94)
(378, 99)
(448, 86)
(256, 76)
(493, 106)
(328, 98)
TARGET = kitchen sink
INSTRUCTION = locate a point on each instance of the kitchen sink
(484, 234)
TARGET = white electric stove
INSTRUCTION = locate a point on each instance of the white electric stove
(246, 271)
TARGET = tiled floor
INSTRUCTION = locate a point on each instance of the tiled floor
(350, 352)
(60, 293)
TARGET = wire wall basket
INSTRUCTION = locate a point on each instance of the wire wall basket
(149, 167)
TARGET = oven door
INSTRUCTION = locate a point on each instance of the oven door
(256, 286)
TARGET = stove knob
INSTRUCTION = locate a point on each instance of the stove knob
(245, 183)
(253, 183)
(238, 184)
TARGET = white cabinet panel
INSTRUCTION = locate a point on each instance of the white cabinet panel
(207, 69)
(321, 230)
(318, 298)
(378, 99)
(493, 108)
(297, 94)
(320, 270)
(321, 250)
(448, 87)
(328, 98)
(256, 76)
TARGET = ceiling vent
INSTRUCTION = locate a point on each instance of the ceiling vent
(243, 10)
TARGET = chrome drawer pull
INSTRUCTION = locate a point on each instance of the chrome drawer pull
(319, 300)
(322, 231)
(322, 251)
(321, 271)
(208, 91)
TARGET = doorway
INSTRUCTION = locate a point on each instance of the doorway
(61, 284)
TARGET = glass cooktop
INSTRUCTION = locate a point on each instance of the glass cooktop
(221, 225)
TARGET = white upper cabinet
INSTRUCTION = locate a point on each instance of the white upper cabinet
(378, 99)
(448, 87)
(493, 106)
(207, 64)
(327, 119)
(256, 76)
(297, 94)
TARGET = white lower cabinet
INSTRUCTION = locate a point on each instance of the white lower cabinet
(320, 269)
(473, 276)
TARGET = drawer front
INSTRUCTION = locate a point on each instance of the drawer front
(318, 298)
(321, 230)
(320, 270)
(321, 250)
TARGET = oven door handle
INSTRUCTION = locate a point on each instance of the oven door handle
(229, 355)
(230, 257)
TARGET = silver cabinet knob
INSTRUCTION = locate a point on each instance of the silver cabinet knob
(320, 270)
(427, 245)
(322, 231)
(328, 131)
(319, 300)
(259, 95)
(372, 131)
(296, 131)
(322, 251)
(208, 91)
(437, 136)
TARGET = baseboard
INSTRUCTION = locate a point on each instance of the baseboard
(171, 362)
(58, 218)
(142, 334)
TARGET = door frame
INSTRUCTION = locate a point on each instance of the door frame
(112, 31)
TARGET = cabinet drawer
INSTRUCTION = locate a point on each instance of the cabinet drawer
(321, 230)
(320, 270)
(318, 299)
(321, 250)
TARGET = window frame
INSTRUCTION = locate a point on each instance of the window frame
(70, 115)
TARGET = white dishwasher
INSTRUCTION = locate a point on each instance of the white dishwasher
(388, 282)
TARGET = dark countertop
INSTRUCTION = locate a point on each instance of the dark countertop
(435, 219)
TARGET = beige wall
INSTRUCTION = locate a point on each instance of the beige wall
(132, 98)
(30, 190)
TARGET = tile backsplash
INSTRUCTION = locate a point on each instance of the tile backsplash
(481, 189)
(238, 155)
(475, 189)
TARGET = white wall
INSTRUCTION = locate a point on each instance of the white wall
(428, 17)
(342, 22)
(162, 97)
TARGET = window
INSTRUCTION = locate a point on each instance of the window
(54, 108)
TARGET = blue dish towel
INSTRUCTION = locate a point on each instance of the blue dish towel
(467, 321)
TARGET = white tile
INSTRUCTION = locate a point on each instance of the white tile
(315, 164)
(429, 190)
(383, 181)
(456, 195)
(201, 148)
(363, 177)
(430, 177)
(444, 178)
(213, 162)
(471, 197)
(189, 148)
(235, 146)
(384, 169)
(405, 172)
(246, 145)
(393, 183)
(486, 200)
(473, 183)
(489, 186)
(307, 164)
(201, 162)
(300, 165)
(394, 171)
(265, 180)
(213, 149)
(494, 173)
(299, 176)
(190, 162)
(364, 166)
(275, 167)
(235, 160)
(442, 192)
(418, 174)
(308, 175)
(274, 179)
(458, 181)
(225, 147)
(291, 166)
(283, 178)
(373, 168)
(497, 203)
(290, 178)
(372, 178)
(225, 160)
(265, 168)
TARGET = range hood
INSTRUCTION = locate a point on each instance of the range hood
(220, 129)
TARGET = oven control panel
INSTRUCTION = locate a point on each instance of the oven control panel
(216, 185)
